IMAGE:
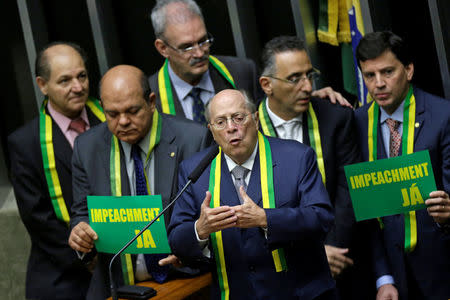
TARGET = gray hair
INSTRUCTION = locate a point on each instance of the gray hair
(248, 104)
(160, 18)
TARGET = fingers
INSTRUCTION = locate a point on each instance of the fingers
(170, 260)
(207, 200)
(337, 259)
(439, 206)
(82, 238)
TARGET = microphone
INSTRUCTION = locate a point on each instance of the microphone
(193, 176)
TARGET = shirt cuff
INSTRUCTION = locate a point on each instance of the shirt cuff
(80, 255)
(385, 279)
(202, 243)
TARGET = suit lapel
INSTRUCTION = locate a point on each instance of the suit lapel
(62, 149)
(420, 113)
(165, 163)
(254, 185)
(218, 81)
(305, 130)
(93, 120)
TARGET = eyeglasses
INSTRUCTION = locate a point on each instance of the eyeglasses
(238, 119)
(203, 45)
(311, 76)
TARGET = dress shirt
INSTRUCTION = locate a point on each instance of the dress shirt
(397, 115)
(63, 122)
(182, 88)
(279, 125)
(141, 268)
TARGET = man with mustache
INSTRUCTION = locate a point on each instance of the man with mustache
(260, 208)
(413, 247)
(190, 76)
(41, 171)
(148, 147)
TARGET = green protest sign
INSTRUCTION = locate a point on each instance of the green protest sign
(116, 220)
(390, 186)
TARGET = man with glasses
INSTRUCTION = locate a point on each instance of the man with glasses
(191, 76)
(290, 112)
(261, 209)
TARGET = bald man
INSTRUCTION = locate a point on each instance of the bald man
(129, 106)
(41, 151)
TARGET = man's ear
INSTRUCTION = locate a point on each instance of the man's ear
(42, 84)
(152, 101)
(266, 85)
(257, 120)
(409, 71)
(161, 47)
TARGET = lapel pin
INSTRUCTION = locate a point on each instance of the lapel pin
(172, 154)
(417, 125)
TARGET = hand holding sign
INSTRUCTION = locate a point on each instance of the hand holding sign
(82, 238)
(439, 206)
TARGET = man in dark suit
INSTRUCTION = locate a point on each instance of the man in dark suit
(129, 107)
(266, 240)
(190, 76)
(290, 112)
(41, 170)
(419, 262)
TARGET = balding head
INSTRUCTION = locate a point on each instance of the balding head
(128, 103)
(63, 79)
(233, 109)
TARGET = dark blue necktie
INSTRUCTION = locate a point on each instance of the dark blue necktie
(151, 260)
(198, 108)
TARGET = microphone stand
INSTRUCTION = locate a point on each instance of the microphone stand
(112, 285)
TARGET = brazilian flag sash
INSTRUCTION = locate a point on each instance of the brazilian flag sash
(48, 157)
(313, 132)
(268, 198)
(409, 119)
(165, 87)
(116, 183)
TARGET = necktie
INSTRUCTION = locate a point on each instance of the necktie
(289, 128)
(239, 174)
(198, 108)
(78, 125)
(158, 273)
(395, 139)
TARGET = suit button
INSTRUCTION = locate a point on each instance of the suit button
(251, 268)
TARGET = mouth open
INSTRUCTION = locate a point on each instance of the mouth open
(235, 142)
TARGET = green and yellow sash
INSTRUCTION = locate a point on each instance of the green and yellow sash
(409, 119)
(165, 87)
(268, 198)
(313, 132)
(116, 183)
(48, 157)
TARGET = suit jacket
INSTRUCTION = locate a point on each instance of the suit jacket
(243, 71)
(429, 263)
(54, 270)
(299, 223)
(91, 176)
(340, 148)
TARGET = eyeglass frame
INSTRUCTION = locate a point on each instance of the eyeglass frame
(245, 118)
(314, 72)
(208, 42)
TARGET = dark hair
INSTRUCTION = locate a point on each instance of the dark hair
(42, 64)
(278, 45)
(146, 90)
(376, 43)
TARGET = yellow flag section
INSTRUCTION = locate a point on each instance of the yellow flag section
(268, 197)
(409, 115)
(48, 156)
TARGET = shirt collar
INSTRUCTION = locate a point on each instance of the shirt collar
(62, 120)
(276, 120)
(183, 88)
(248, 164)
(143, 144)
(397, 115)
